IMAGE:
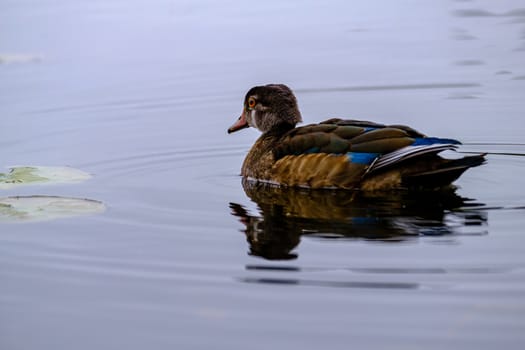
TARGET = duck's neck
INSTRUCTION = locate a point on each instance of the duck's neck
(278, 130)
(259, 160)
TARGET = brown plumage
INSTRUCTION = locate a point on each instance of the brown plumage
(340, 153)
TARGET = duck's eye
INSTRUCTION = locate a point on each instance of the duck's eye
(251, 102)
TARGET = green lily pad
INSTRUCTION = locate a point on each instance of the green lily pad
(26, 175)
(44, 208)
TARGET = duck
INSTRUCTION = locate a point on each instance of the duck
(341, 153)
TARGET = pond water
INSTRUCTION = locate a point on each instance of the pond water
(140, 94)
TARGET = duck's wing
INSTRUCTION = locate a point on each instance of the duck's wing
(339, 153)
(360, 140)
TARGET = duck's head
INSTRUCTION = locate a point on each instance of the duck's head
(268, 107)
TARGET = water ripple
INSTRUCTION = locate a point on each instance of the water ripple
(421, 86)
(333, 284)
(384, 270)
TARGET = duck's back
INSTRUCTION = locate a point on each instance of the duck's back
(358, 154)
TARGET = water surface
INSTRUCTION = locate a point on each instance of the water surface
(140, 95)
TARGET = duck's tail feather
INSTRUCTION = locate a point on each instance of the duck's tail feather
(421, 166)
(447, 172)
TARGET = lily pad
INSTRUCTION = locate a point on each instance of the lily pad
(44, 208)
(26, 175)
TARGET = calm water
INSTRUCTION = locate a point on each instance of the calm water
(140, 94)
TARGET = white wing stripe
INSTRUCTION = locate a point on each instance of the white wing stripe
(409, 152)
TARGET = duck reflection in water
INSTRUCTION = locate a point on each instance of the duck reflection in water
(288, 213)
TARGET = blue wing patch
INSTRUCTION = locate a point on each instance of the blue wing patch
(422, 141)
(361, 157)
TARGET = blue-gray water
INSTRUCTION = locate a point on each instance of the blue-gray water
(140, 94)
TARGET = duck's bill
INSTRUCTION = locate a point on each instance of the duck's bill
(241, 123)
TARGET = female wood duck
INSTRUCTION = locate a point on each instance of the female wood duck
(336, 153)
